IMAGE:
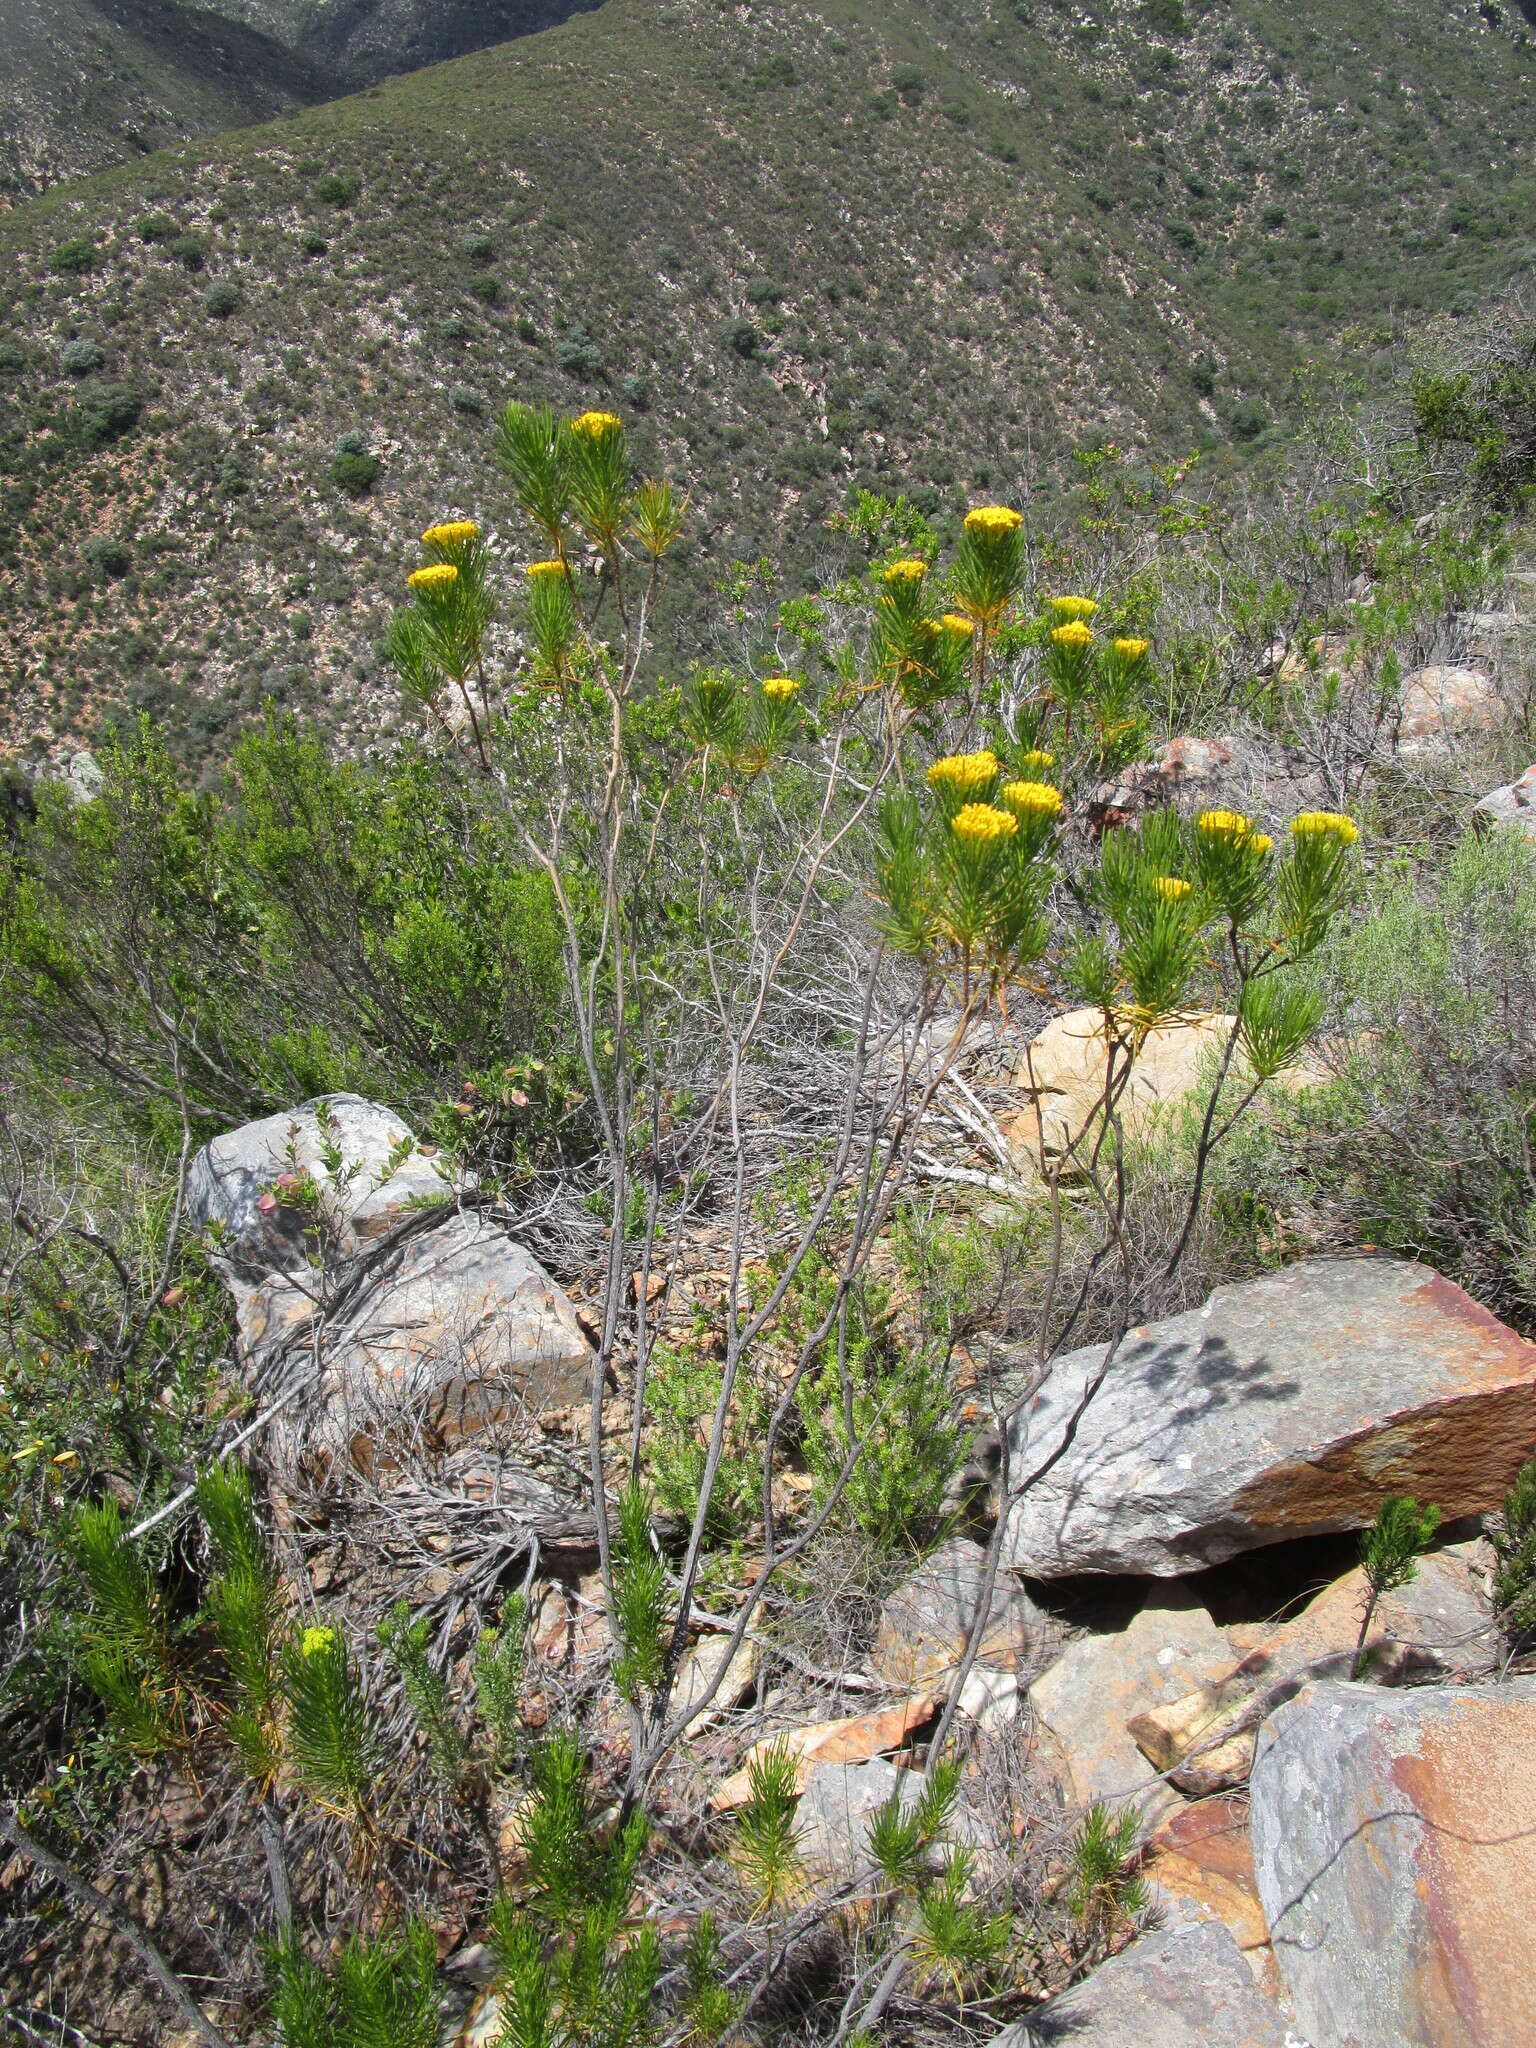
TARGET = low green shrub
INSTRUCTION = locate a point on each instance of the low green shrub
(463, 399)
(75, 257)
(337, 188)
(485, 288)
(104, 412)
(79, 357)
(188, 251)
(155, 227)
(221, 299)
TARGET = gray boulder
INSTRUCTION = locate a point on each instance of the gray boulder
(458, 1330)
(926, 1623)
(1515, 804)
(1188, 1988)
(1287, 1406)
(839, 1803)
(1394, 1842)
(251, 1184)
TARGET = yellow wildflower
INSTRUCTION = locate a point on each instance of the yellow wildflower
(1173, 888)
(963, 773)
(1036, 761)
(779, 689)
(450, 533)
(952, 622)
(1073, 608)
(436, 576)
(1326, 825)
(983, 823)
(1260, 842)
(315, 1640)
(1224, 824)
(991, 520)
(1074, 635)
(908, 570)
(1040, 797)
(1131, 650)
(545, 569)
(596, 424)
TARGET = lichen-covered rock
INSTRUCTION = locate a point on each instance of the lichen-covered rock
(458, 1330)
(1187, 1988)
(269, 1194)
(1514, 804)
(1287, 1406)
(926, 1622)
(1440, 701)
(1394, 1841)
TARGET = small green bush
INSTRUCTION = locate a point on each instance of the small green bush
(355, 471)
(155, 227)
(75, 257)
(221, 299)
(1247, 419)
(188, 251)
(741, 337)
(13, 358)
(465, 400)
(104, 412)
(108, 558)
(455, 328)
(477, 246)
(485, 288)
(337, 188)
(313, 243)
(79, 357)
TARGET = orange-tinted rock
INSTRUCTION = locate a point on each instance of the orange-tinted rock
(1394, 1838)
(1287, 1406)
(851, 1741)
(926, 1622)
(1201, 1859)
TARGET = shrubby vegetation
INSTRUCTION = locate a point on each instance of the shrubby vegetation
(654, 962)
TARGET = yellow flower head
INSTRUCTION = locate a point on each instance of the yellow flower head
(992, 520)
(1224, 824)
(1073, 608)
(1326, 825)
(1173, 888)
(1036, 761)
(1260, 842)
(1074, 635)
(779, 689)
(450, 533)
(1042, 799)
(1131, 650)
(908, 570)
(952, 622)
(596, 424)
(981, 824)
(963, 773)
(545, 569)
(436, 576)
(315, 1640)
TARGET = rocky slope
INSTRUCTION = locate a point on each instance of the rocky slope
(917, 250)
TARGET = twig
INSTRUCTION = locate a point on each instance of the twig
(97, 1902)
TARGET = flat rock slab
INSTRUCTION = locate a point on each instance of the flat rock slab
(459, 1330)
(839, 1803)
(926, 1622)
(233, 1183)
(1100, 1682)
(1187, 1988)
(1394, 1841)
(855, 1739)
(1287, 1406)
(1200, 1865)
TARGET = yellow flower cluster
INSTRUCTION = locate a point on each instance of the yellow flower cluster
(964, 772)
(1173, 888)
(779, 689)
(1073, 607)
(1224, 824)
(314, 1640)
(1074, 634)
(1260, 842)
(953, 623)
(1036, 761)
(1326, 825)
(1042, 798)
(436, 576)
(991, 520)
(450, 533)
(908, 570)
(1131, 650)
(594, 425)
(981, 824)
(545, 569)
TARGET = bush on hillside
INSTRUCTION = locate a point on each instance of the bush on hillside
(188, 251)
(75, 257)
(104, 412)
(79, 357)
(221, 299)
(337, 188)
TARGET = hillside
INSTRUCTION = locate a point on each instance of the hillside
(87, 85)
(803, 250)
